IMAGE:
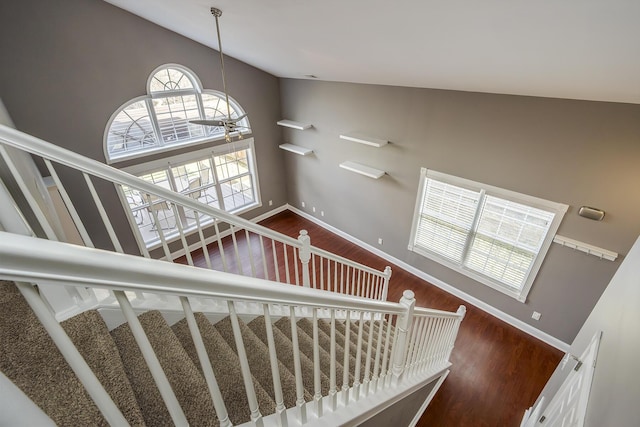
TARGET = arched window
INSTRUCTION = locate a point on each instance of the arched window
(160, 120)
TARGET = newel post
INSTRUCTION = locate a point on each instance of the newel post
(305, 256)
(385, 285)
(408, 301)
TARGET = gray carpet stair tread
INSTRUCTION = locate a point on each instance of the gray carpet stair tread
(258, 357)
(305, 343)
(324, 340)
(185, 379)
(91, 337)
(28, 356)
(284, 351)
(226, 367)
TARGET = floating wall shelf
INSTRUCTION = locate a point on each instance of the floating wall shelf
(295, 125)
(362, 169)
(586, 248)
(363, 139)
(296, 149)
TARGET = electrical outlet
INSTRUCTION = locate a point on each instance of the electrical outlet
(270, 202)
(536, 315)
(313, 209)
(321, 213)
(380, 240)
(303, 204)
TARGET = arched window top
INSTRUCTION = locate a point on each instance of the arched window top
(172, 78)
(161, 120)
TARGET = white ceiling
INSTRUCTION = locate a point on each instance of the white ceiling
(588, 49)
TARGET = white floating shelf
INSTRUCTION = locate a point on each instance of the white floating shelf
(362, 169)
(586, 248)
(294, 125)
(296, 149)
(363, 139)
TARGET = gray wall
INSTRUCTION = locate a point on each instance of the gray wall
(68, 65)
(615, 391)
(572, 152)
(402, 413)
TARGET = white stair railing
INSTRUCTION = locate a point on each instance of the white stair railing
(228, 242)
(409, 362)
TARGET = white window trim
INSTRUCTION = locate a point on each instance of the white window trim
(162, 147)
(558, 208)
(148, 167)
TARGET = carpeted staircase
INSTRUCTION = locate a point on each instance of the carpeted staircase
(30, 359)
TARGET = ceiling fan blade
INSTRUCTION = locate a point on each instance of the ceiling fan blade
(207, 122)
(237, 119)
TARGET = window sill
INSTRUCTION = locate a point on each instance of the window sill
(511, 292)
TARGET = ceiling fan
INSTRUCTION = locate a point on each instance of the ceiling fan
(229, 124)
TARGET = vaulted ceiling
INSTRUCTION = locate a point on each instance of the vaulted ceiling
(577, 49)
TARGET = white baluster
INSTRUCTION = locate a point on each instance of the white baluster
(223, 257)
(316, 365)
(70, 353)
(356, 379)
(281, 410)
(236, 250)
(384, 373)
(183, 239)
(205, 363)
(250, 250)
(367, 367)
(412, 343)
(205, 250)
(164, 387)
(345, 364)
(286, 264)
(427, 342)
(256, 416)
(69, 205)
(300, 403)
(265, 270)
(314, 281)
(26, 193)
(103, 214)
(275, 260)
(333, 395)
(376, 366)
(295, 266)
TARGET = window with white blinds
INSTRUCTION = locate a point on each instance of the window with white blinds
(495, 236)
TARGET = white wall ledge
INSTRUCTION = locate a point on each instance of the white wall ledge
(362, 169)
(303, 151)
(363, 139)
(294, 125)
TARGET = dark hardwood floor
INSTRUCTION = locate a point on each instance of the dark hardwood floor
(498, 371)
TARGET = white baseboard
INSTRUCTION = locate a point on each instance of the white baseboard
(507, 318)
